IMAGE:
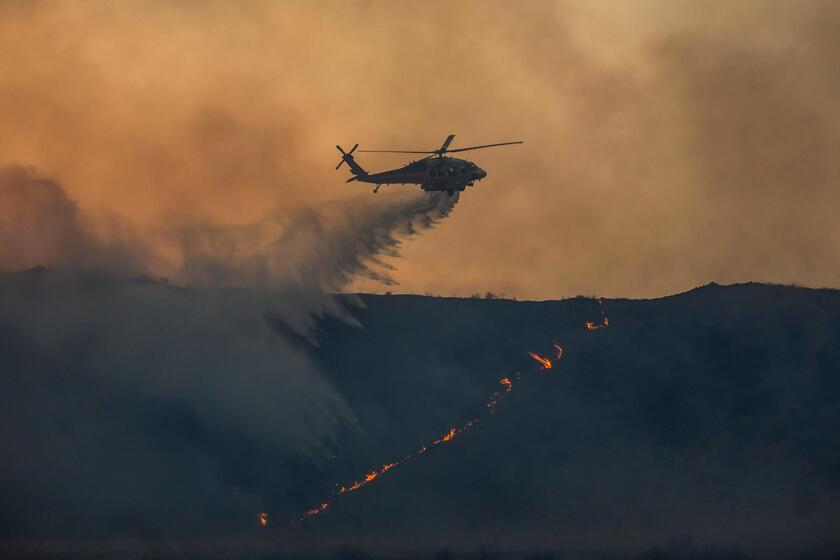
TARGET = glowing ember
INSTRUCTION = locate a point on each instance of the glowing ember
(317, 509)
(546, 363)
(496, 396)
(559, 350)
(262, 518)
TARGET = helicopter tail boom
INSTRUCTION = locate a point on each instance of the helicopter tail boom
(347, 157)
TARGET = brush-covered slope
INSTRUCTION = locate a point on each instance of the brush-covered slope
(135, 408)
(714, 413)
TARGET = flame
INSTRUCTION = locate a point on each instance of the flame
(262, 517)
(605, 321)
(546, 363)
(369, 477)
(449, 436)
(317, 509)
(492, 403)
(376, 473)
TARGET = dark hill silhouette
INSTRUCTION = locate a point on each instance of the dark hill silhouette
(704, 419)
(709, 413)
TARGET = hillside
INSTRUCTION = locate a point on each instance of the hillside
(709, 416)
(703, 419)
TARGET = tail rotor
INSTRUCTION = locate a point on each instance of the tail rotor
(345, 155)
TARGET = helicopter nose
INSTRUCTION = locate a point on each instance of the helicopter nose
(479, 174)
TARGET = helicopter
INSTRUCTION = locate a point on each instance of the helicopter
(435, 172)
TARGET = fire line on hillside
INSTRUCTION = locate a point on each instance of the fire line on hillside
(506, 386)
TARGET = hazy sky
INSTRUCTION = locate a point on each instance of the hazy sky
(667, 143)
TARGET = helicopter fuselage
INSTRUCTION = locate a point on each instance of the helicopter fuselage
(437, 172)
(432, 174)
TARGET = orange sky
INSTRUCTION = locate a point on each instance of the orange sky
(667, 143)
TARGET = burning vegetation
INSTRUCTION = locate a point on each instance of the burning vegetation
(544, 362)
(506, 386)
(605, 321)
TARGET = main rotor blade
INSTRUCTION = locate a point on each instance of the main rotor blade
(484, 146)
(446, 143)
(443, 149)
(400, 151)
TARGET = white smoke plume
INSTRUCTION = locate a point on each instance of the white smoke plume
(97, 341)
(311, 249)
(311, 252)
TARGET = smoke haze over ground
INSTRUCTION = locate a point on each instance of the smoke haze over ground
(129, 399)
